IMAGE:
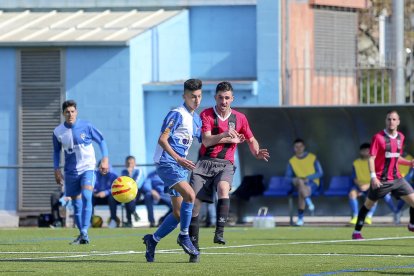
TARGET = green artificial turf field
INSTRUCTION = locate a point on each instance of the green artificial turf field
(249, 251)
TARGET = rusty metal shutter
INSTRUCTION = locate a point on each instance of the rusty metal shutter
(41, 89)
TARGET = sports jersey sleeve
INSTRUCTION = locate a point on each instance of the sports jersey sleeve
(353, 173)
(245, 130)
(171, 122)
(111, 177)
(57, 146)
(98, 138)
(318, 171)
(207, 122)
(289, 174)
(402, 144)
(375, 144)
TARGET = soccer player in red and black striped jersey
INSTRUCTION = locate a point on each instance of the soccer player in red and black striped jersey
(222, 130)
(385, 155)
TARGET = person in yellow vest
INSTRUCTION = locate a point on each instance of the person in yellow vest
(362, 178)
(408, 174)
(305, 171)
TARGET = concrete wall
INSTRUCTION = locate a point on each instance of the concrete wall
(223, 42)
(8, 129)
(99, 80)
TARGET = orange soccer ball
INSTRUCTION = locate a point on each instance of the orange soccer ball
(124, 189)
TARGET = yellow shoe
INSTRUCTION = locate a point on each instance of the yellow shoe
(353, 220)
(368, 220)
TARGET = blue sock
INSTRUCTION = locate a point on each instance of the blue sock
(77, 212)
(390, 203)
(300, 213)
(400, 205)
(86, 210)
(353, 202)
(372, 211)
(167, 226)
(185, 217)
(308, 201)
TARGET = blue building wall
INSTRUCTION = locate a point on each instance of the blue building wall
(268, 52)
(223, 42)
(8, 129)
(98, 78)
(173, 43)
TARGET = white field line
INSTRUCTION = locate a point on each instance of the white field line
(170, 251)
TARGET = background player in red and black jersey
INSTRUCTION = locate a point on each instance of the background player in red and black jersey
(223, 129)
(385, 155)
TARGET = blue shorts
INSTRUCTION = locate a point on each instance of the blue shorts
(313, 186)
(172, 174)
(75, 182)
(358, 190)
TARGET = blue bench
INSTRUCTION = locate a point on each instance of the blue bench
(339, 186)
(278, 187)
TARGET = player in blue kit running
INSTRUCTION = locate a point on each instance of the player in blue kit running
(178, 129)
(75, 137)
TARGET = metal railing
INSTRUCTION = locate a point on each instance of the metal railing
(344, 86)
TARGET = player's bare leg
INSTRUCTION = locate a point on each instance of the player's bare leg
(303, 193)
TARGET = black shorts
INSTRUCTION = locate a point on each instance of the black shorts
(397, 188)
(207, 174)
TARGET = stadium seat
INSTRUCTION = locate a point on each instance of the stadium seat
(278, 187)
(339, 186)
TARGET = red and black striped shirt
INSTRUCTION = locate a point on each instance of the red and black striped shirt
(387, 150)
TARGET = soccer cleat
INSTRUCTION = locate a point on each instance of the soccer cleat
(410, 227)
(81, 239)
(218, 238)
(397, 217)
(194, 258)
(357, 236)
(185, 242)
(353, 220)
(368, 220)
(300, 222)
(150, 244)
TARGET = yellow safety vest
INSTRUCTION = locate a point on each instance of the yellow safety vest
(302, 167)
(361, 167)
(405, 169)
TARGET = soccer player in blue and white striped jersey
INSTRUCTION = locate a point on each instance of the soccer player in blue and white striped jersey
(75, 137)
(179, 127)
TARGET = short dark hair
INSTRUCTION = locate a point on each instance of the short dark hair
(364, 146)
(193, 85)
(299, 140)
(129, 157)
(224, 86)
(67, 104)
(393, 111)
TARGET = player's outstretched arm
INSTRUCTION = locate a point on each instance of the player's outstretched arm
(405, 162)
(163, 142)
(256, 151)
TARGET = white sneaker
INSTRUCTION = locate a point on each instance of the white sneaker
(300, 222)
(112, 224)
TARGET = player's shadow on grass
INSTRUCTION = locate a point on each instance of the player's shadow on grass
(385, 272)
